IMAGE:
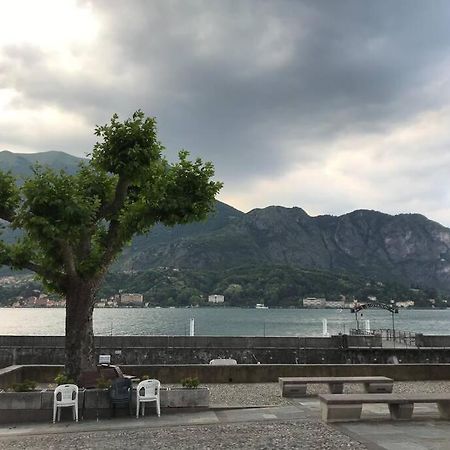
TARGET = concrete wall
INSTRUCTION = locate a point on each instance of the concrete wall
(264, 373)
(180, 355)
(432, 341)
(248, 342)
(185, 349)
(250, 373)
(10, 375)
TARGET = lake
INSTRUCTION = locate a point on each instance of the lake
(221, 321)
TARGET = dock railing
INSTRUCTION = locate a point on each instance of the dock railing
(406, 338)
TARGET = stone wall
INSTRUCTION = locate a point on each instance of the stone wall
(248, 342)
(187, 350)
(155, 350)
(250, 373)
(432, 341)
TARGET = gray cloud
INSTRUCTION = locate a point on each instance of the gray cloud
(258, 87)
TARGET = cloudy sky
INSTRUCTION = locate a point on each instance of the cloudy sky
(327, 105)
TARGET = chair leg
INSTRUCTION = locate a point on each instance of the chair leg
(158, 409)
(54, 413)
(73, 412)
(143, 409)
(76, 412)
(137, 408)
(59, 414)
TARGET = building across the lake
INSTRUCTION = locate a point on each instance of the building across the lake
(336, 304)
(313, 302)
(405, 304)
(136, 300)
(216, 298)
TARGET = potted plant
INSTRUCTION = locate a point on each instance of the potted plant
(189, 395)
(22, 401)
(25, 386)
(190, 383)
(63, 378)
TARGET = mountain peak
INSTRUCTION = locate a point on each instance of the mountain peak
(406, 248)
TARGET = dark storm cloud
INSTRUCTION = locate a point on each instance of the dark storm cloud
(346, 65)
(255, 86)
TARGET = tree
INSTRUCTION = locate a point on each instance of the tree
(74, 226)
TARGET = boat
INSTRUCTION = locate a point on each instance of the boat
(261, 306)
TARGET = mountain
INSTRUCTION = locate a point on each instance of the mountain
(406, 248)
(21, 163)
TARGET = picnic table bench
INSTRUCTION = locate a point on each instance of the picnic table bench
(348, 407)
(296, 386)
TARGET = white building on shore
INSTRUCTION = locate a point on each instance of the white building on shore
(216, 298)
(132, 300)
(313, 302)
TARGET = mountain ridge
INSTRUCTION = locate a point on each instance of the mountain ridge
(407, 247)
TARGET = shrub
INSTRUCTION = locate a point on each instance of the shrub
(63, 378)
(103, 383)
(25, 386)
(145, 377)
(190, 383)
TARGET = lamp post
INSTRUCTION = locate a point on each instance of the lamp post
(393, 320)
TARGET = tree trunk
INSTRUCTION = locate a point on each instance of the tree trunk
(80, 350)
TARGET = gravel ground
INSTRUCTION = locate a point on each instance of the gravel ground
(307, 434)
(259, 436)
(269, 393)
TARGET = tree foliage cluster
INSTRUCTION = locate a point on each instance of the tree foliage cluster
(73, 226)
(276, 286)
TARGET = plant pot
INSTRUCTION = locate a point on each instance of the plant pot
(180, 397)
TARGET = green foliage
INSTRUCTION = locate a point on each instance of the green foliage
(145, 377)
(74, 225)
(25, 386)
(63, 378)
(276, 286)
(190, 383)
(103, 383)
(9, 195)
(127, 147)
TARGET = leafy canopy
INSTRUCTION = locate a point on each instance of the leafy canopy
(75, 225)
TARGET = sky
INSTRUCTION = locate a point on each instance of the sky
(327, 105)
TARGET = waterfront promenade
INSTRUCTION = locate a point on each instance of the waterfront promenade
(246, 416)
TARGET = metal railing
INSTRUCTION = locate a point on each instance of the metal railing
(407, 338)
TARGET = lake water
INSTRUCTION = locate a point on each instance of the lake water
(221, 321)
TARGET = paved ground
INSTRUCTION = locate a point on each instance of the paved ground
(287, 427)
(376, 431)
(291, 424)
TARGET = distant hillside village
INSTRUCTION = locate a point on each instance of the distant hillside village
(40, 300)
(24, 292)
(133, 300)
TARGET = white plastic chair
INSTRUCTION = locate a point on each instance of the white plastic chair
(65, 395)
(147, 391)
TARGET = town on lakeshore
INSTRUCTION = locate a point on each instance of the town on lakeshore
(38, 299)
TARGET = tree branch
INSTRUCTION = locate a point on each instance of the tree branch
(6, 217)
(110, 212)
(110, 247)
(68, 257)
(107, 211)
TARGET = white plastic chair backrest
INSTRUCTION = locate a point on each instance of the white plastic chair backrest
(148, 389)
(66, 394)
(223, 362)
